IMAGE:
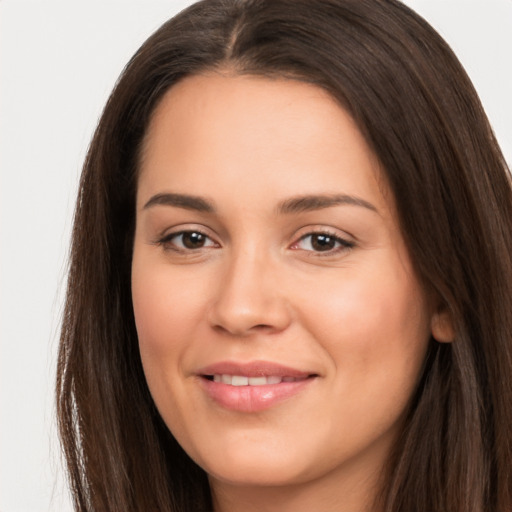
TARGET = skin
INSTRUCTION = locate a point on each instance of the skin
(354, 315)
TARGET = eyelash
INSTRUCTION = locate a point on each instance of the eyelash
(342, 244)
(167, 244)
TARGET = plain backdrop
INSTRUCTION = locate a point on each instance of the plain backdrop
(58, 63)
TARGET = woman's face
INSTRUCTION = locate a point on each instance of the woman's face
(282, 328)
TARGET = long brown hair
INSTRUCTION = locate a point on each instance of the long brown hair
(421, 116)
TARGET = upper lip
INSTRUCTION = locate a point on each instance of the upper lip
(253, 369)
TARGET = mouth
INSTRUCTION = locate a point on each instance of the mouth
(253, 387)
(244, 380)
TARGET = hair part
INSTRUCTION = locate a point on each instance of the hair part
(421, 116)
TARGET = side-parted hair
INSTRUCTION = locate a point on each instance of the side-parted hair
(419, 113)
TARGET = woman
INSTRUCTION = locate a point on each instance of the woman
(290, 278)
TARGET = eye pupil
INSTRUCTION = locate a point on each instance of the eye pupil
(193, 240)
(322, 242)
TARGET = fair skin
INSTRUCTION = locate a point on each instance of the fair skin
(244, 279)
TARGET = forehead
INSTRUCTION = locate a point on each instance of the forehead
(250, 131)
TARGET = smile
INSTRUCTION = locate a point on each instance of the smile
(242, 380)
(252, 387)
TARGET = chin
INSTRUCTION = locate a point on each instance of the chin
(246, 468)
(255, 475)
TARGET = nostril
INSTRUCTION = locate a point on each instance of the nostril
(243, 330)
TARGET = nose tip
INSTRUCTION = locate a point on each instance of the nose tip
(248, 301)
(243, 324)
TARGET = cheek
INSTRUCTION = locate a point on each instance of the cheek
(375, 330)
(165, 308)
(166, 311)
(373, 324)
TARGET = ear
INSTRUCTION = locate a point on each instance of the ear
(441, 326)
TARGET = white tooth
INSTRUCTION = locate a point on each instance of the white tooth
(257, 381)
(289, 379)
(274, 380)
(226, 379)
(217, 378)
(239, 380)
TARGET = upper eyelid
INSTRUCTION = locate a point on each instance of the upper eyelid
(299, 234)
(184, 228)
(166, 236)
(172, 234)
(344, 242)
(326, 233)
(326, 230)
(167, 243)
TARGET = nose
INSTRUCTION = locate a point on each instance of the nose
(248, 298)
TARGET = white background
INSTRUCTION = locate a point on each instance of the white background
(58, 63)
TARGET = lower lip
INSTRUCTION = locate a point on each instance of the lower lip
(252, 398)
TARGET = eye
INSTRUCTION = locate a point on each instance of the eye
(322, 242)
(187, 241)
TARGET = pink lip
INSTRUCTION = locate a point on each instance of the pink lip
(252, 369)
(252, 398)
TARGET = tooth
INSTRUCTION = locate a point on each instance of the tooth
(239, 380)
(257, 381)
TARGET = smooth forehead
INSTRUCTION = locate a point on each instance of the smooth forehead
(198, 90)
(248, 105)
(220, 125)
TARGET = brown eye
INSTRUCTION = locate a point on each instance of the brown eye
(187, 241)
(193, 239)
(321, 242)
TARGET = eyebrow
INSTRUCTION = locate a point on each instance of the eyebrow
(181, 201)
(297, 204)
(317, 202)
